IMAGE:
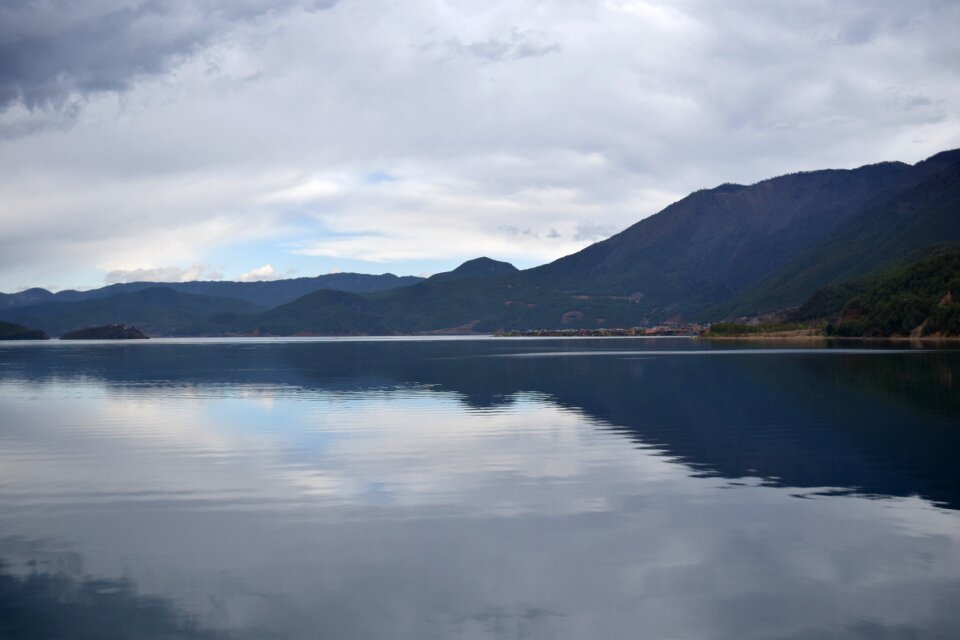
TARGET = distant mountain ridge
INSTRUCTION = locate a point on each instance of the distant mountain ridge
(266, 293)
(156, 310)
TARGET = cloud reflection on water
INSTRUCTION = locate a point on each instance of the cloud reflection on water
(412, 497)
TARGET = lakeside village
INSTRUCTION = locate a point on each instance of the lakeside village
(667, 329)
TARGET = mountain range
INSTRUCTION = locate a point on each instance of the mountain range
(726, 252)
(266, 294)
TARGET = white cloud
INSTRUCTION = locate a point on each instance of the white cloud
(266, 272)
(276, 128)
(163, 274)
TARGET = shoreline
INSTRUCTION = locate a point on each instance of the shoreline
(821, 338)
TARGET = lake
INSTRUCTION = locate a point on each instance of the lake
(478, 488)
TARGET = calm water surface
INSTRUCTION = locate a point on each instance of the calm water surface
(583, 489)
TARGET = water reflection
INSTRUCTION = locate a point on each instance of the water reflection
(57, 602)
(440, 490)
(875, 422)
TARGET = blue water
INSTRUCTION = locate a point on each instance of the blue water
(489, 488)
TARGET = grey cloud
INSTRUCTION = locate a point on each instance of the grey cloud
(50, 51)
(512, 230)
(591, 231)
(515, 45)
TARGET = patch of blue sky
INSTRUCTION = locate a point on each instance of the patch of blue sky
(235, 259)
(303, 424)
(379, 177)
(272, 415)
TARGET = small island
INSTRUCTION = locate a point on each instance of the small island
(10, 331)
(106, 332)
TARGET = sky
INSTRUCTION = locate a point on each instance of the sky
(246, 139)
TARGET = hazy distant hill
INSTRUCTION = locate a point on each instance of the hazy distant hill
(156, 311)
(477, 268)
(35, 295)
(265, 294)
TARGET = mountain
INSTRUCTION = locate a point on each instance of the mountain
(35, 295)
(443, 301)
(323, 312)
(268, 293)
(479, 296)
(156, 311)
(718, 253)
(701, 253)
(477, 268)
(875, 238)
(714, 244)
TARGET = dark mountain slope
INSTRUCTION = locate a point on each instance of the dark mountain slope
(481, 295)
(322, 313)
(265, 294)
(35, 295)
(157, 311)
(485, 295)
(706, 248)
(875, 238)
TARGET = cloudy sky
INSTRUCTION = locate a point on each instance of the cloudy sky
(182, 139)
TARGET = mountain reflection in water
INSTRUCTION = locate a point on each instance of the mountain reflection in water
(478, 488)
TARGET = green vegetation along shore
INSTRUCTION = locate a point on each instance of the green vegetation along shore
(10, 331)
(919, 299)
(107, 332)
